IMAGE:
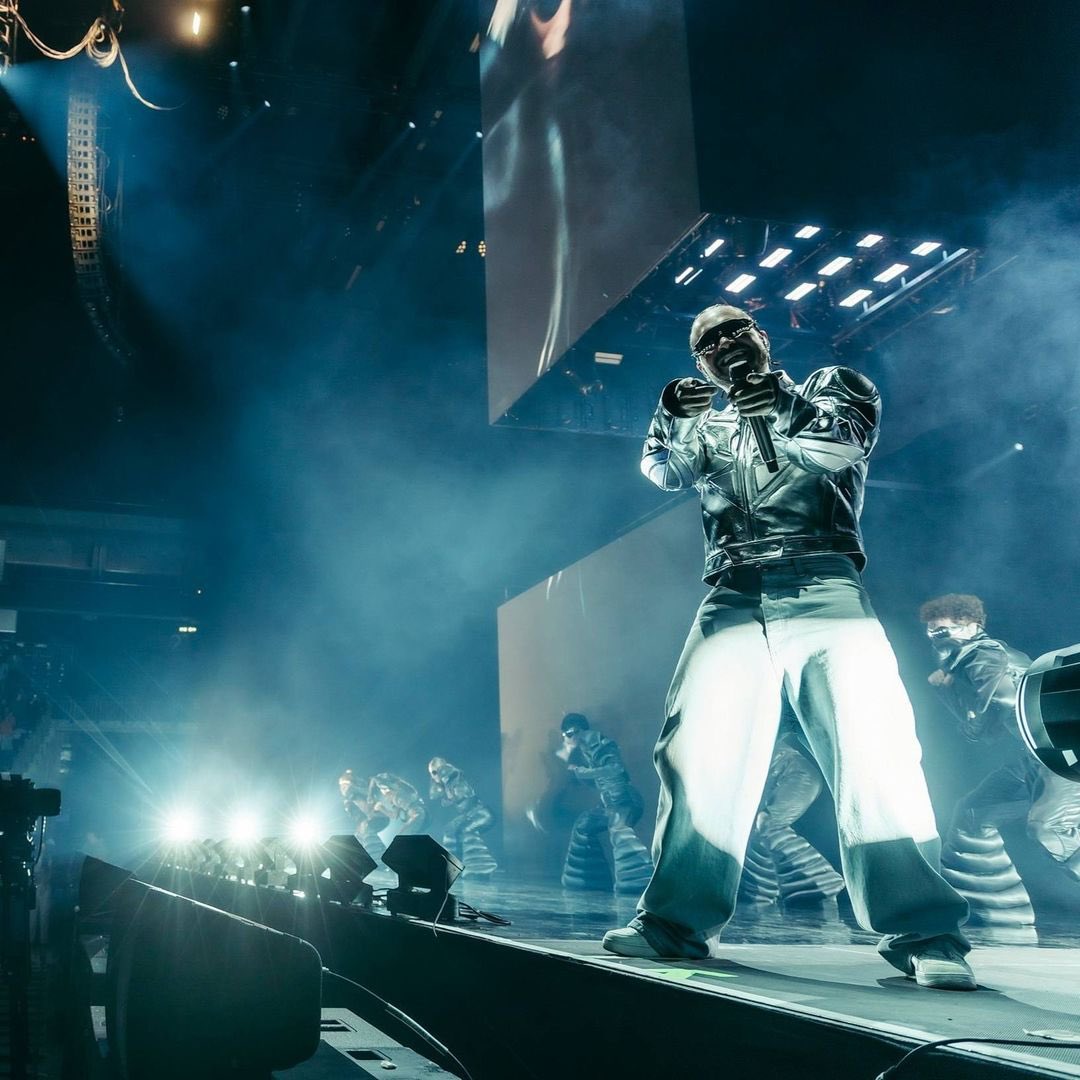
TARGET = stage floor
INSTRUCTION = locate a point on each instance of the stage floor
(819, 964)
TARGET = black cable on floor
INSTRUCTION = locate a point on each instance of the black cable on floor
(1052, 1044)
(408, 1021)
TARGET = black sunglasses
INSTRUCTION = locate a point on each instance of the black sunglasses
(725, 331)
(939, 632)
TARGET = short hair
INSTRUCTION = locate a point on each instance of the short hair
(962, 607)
(726, 311)
(574, 721)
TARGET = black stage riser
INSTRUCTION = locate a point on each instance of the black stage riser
(512, 1011)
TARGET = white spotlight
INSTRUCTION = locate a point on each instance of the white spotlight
(1018, 446)
(801, 290)
(181, 827)
(715, 246)
(807, 231)
(775, 257)
(196, 23)
(740, 283)
(306, 831)
(245, 9)
(234, 64)
(244, 828)
(853, 298)
(836, 264)
(869, 240)
(925, 248)
(682, 275)
(893, 271)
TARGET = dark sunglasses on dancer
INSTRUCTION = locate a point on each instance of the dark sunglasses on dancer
(939, 632)
(725, 331)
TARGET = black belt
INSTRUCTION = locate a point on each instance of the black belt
(788, 547)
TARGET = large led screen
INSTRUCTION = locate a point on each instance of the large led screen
(599, 638)
(589, 169)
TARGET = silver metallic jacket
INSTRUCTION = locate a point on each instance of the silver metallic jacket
(823, 432)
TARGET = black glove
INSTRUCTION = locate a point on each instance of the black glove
(757, 395)
(689, 397)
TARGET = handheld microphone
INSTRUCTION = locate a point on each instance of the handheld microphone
(738, 373)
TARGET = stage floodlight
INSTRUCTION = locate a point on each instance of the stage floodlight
(891, 272)
(305, 831)
(243, 828)
(349, 863)
(1018, 446)
(181, 826)
(800, 291)
(740, 283)
(1048, 711)
(925, 247)
(834, 265)
(682, 275)
(714, 247)
(855, 297)
(807, 231)
(775, 257)
(870, 240)
(426, 872)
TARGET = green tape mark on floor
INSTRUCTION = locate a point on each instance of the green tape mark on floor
(685, 974)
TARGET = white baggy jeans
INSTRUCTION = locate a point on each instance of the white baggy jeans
(804, 628)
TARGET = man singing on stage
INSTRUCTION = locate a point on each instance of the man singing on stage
(787, 617)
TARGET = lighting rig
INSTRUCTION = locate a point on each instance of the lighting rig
(822, 294)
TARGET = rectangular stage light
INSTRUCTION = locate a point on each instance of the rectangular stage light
(925, 248)
(807, 231)
(740, 283)
(801, 290)
(834, 265)
(774, 258)
(893, 271)
(853, 298)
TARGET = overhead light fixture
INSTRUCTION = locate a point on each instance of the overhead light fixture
(801, 290)
(740, 283)
(683, 275)
(925, 248)
(893, 271)
(856, 297)
(869, 240)
(775, 257)
(807, 231)
(196, 23)
(715, 246)
(613, 358)
(834, 265)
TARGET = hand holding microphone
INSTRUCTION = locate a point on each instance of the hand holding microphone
(754, 395)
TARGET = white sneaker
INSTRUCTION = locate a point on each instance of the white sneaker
(629, 941)
(939, 966)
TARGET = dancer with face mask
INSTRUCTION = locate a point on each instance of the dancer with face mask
(977, 677)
